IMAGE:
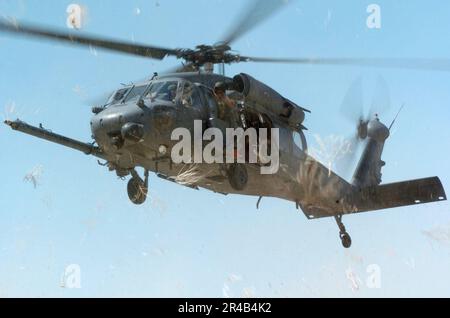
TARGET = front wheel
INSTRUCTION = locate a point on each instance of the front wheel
(137, 191)
(346, 240)
(238, 176)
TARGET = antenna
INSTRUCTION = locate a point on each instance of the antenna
(208, 68)
(222, 69)
(393, 122)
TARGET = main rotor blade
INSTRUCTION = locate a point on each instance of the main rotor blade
(255, 13)
(84, 40)
(437, 64)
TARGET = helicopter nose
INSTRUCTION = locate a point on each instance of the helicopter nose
(133, 132)
(112, 129)
(104, 124)
(106, 129)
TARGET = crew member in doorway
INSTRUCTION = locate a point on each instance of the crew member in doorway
(226, 106)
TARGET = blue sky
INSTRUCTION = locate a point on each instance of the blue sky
(187, 243)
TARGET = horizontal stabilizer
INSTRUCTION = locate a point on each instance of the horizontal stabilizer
(401, 194)
(382, 197)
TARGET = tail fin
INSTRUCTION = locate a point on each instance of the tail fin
(368, 171)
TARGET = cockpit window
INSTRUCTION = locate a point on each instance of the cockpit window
(118, 96)
(166, 91)
(190, 96)
(135, 93)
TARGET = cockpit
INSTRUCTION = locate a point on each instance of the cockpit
(162, 91)
(173, 91)
(168, 91)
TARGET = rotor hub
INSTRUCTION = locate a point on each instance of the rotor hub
(214, 54)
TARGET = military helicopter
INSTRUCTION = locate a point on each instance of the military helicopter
(132, 129)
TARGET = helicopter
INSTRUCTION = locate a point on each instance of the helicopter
(134, 127)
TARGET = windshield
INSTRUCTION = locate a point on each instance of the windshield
(135, 93)
(117, 96)
(129, 93)
(161, 90)
(166, 91)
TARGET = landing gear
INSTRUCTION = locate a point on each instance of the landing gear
(346, 240)
(138, 188)
(345, 237)
(237, 176)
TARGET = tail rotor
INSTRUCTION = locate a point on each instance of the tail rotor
(352, 109)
